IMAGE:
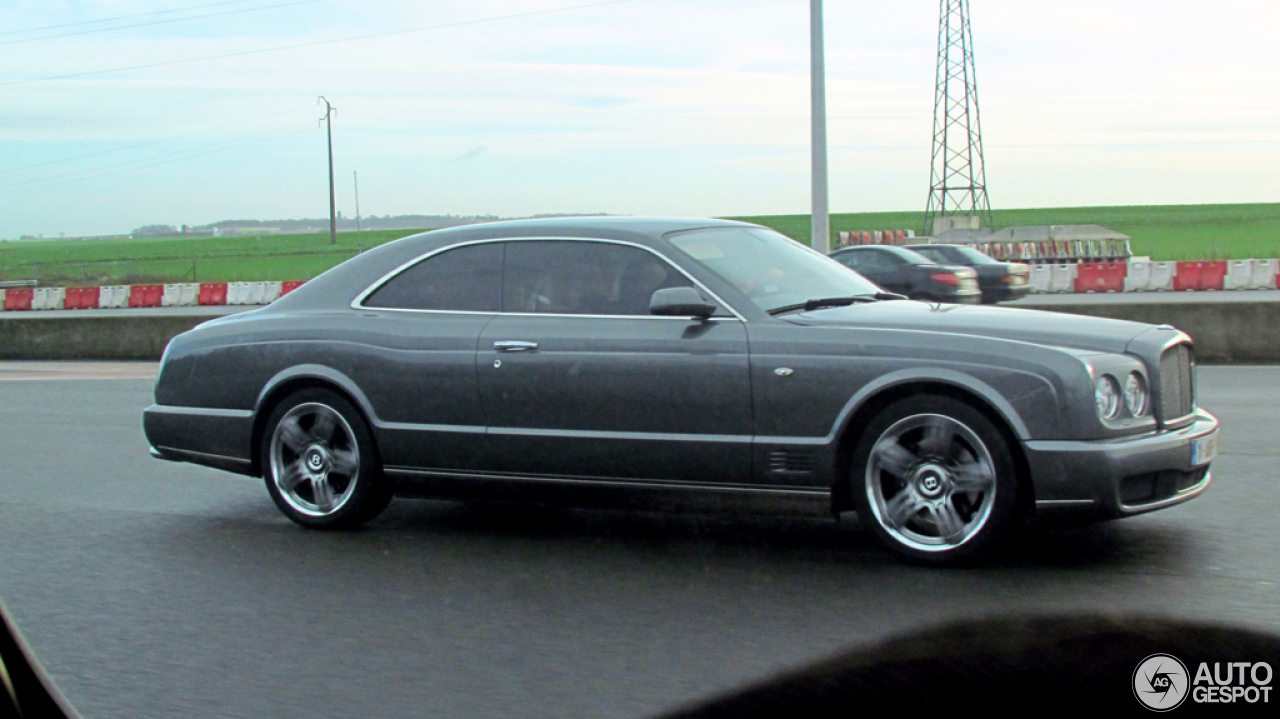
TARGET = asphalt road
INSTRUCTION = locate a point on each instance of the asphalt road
(152, 589)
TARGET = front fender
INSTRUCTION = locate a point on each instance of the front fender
(963, 381)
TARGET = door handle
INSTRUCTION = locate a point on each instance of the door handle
(515, 346)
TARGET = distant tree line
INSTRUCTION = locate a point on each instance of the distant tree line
(345, 224)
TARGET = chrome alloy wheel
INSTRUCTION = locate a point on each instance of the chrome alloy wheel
(931, 482)
(314, 459)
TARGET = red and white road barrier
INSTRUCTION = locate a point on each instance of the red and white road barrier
(212, 293)
(1100, 276)
(252, 293)
(1062, 278)
(171, 295)
(18, 299)
(1041, 277)
(179, 295)
(1266, 275)
(145, 295)
(48, 298)
(113, 296)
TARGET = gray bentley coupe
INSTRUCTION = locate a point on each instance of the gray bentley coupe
(651, 353)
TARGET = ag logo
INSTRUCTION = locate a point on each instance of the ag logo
(1160, 682)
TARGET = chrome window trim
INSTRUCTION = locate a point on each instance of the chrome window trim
(358, 302)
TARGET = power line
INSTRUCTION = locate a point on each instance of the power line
(796, 145)
(123, 17)
(161, 158)
(158, 22)
(145, 144)
(858, 116)
(685, 132)
(153, 164)
(316, 43)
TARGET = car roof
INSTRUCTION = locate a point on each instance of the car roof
(335, 288)
(603, 226)
(903, 252)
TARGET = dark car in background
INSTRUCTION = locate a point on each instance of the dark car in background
(1000, 281)
(908, 273)
(652, 354)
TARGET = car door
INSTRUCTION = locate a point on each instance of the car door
(577, 379)
(417, 366)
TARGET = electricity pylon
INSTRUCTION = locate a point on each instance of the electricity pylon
(958, 183)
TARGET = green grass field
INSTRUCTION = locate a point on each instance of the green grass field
(1173, 232)
(185, 259)
(1176, 232)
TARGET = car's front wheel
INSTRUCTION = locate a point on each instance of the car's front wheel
(935, 481)
(320, 464)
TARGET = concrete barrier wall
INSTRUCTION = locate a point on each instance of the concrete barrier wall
(129, 337)
(1224, 332)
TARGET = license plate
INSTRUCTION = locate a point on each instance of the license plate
(1203, 450)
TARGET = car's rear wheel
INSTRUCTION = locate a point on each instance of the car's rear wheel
(935, 481)
(320, 464)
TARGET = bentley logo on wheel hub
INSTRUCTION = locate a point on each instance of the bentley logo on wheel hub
(315, 460)
(931, 481)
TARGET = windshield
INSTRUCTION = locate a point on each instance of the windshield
(974, 256)
(770, 269)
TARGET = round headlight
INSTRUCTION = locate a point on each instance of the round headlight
(1135, 394)
(1107, 393)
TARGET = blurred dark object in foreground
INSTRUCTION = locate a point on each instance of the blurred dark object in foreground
(25, 690)
(1041, 665)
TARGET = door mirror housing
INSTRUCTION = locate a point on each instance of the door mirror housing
(681, 302)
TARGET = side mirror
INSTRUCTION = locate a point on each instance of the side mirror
(680, 302)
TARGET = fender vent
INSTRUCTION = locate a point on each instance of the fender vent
(792, 461)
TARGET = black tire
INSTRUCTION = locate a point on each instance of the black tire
(320, 463)
(935, 481)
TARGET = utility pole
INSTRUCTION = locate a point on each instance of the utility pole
(356, 179)
(820, 238)
(333, 211)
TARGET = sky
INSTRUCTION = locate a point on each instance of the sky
(121, 113)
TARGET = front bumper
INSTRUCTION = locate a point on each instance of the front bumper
(994, 293)
(1108, 479)
(964, 297)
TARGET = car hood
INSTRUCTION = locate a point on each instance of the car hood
(1047, 328)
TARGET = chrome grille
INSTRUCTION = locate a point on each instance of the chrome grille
(1177, 397)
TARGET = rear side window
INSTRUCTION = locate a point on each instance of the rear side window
(466, 279)
(583, 278)
(868, 260)
(937, 254)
